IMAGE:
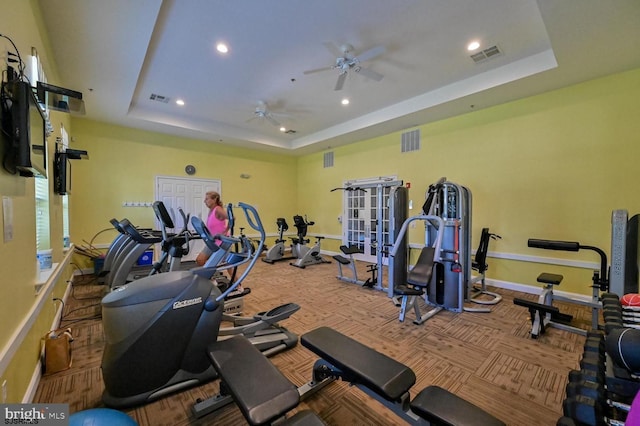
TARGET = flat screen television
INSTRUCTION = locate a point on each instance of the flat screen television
(61, 174)
(62, 169)
(25, 127)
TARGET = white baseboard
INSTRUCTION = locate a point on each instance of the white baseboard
(37, 372)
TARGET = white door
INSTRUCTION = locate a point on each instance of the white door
(366, 211)
(188, 194)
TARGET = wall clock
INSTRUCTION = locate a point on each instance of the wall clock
(190, 170)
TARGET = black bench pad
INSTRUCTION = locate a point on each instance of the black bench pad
(403, 290)
(548, 278)
(303, 418)
(351, 250)
(441, 407)
(543, 309)
(259, 389)
(361, 364)
(341, 259)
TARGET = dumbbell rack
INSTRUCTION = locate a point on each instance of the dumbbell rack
(600, 393)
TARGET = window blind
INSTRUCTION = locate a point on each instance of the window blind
(42, 214)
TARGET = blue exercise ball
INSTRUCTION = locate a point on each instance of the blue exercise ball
(623, 346)
(101, 417)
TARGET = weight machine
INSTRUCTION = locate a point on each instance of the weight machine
(390, 213)
(442, 274)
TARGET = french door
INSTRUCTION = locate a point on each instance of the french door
(188, 194)
(366, 214)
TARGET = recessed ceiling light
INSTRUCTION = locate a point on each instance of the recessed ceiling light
(283, 129)
(473, 45)
(180, 102)
(222, 48)
(345, 101)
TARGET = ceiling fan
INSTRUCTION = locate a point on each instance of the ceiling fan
(262, 113)
(347, 61)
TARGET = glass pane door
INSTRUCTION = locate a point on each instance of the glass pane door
(363, 211)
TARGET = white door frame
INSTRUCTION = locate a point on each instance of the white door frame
(362, 211)
(191, 201)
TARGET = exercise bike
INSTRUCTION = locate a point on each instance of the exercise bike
(306, 255)
(157, 328)
(276, 253)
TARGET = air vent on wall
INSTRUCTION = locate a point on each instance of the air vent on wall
(486, 54)
(328, 159)
(410, 141)
(159, 98)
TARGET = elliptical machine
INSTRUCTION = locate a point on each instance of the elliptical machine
(174, 246)
(306, 255)
(157, 328)
(276, 253)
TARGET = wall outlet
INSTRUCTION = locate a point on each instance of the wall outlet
(4, 392)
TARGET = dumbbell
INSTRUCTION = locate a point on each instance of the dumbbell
(565, 421)
(607, 404)
(609, 298)
(583, 410)
(611, 326)
(594, 344)
(591, 390)
(611, 314)
(592, 361)
(596, 376)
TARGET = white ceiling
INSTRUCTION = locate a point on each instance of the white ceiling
(120, 52)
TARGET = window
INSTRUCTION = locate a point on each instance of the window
(64, 141)
(65, 221)
(43, 241)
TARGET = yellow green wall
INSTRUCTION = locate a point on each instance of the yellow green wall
(550, 166)
(123, 164)
(21, 21)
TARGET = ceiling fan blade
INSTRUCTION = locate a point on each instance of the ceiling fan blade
(272, 120)
(371, 53)
(341, 78)
(369, 73)
(317, 70)
(335, 50)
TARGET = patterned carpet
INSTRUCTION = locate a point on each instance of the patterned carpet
(485, 358)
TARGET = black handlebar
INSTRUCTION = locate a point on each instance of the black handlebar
(599, 279)
(554, 245)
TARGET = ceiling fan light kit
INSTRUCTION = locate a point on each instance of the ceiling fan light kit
(262, 113)
(346, 61)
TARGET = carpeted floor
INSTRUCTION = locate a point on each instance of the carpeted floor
(485, 358)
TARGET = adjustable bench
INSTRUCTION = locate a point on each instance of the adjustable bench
(349, 262)
(537, 312)
(264, 395)
(259, 389)
(543, 314)
(386, 380)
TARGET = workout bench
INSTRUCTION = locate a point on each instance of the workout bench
(262, 393)
(241, 367)
(543, 314)
(351, 264)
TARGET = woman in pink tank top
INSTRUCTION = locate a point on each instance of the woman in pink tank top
(217, 222)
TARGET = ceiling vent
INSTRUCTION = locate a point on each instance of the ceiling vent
(410, 141)
(328, 159)
(486, 54)
(159, 98)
